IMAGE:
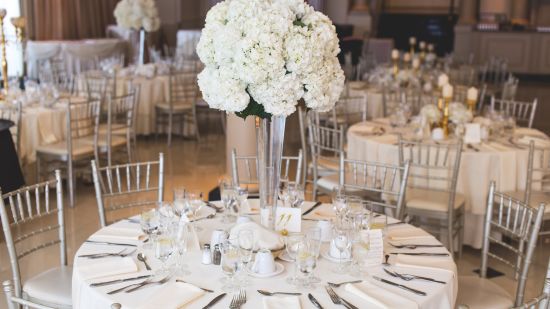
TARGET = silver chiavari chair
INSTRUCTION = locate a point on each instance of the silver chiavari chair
(383, 184)
(542, 301)
(81, 138)
(464, 75)
(495, 71)
(181, 105)
(326, 145)
(96, 85)
(13, 113)
(459, 93)
(509, 89)
(505, 216)
(431, 194)
(15, 302)
(349, 110)
(33, 220)
(244, 170)
(522, 111)
(391, 99)
(125, 186)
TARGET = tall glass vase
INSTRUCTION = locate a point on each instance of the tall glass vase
(141, 56)
(270, 134)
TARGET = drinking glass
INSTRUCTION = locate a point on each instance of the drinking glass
(179, 201)
(167, 215)
(339, 202)
(306, 261)
(230, 264)
(193, 204)
(359, 252)
(295, 195)
(150, 222)
(283, 191)
(342, 242)
(229, 198)
(314, 238)
(164, 248)
(246, 246)
(292, 243)
(181, 235)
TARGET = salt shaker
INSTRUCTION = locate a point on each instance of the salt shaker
(206, 255)
(217, 255)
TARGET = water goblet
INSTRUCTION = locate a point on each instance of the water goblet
(164, 248)
(339, 202)
(306, 261)
(246, 246)
(181, 235)
(194, 203)
(242, 196)
(359, 251)
(295, 195)
(229, 199)
(314, 238)
(150, 222)
(342, 242)
(230, 264)
(292, 242)
(179, 201)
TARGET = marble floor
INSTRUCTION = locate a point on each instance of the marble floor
(198, 165)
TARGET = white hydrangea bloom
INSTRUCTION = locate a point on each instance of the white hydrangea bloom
(137, 14)
(272, 52)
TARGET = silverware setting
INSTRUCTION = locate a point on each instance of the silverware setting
(414, 246)
(267, 293)
(404, 287)
(206, 290)
(337, 299)
(150, 280)
(120, 280)
(420, 253)
(337, 285)
(312, 208)
(409, 277)
(210, 216)
(314, 301)
(213, 206)
(109, 243)
(160, 282)
(122, 253)
(238, 300)
(214, 301)
(469, 146)
(142, 258)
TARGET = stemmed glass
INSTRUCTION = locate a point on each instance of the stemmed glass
(181, 235)
(231, 260)
(295, 195)
(150, 223)
(246, 245)
(339, 202)
(193, 203)
(306, 260)
(229, 198)
(360, 250)
(179, 201)
(242, 196)
(342, 242)
(314, 238)
(292, 245)
(164, 248)
(283, 191)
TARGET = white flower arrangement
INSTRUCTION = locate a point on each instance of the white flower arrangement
(430, 113)
(137, 14)
(384, 76)
(262, 56)
(459, 114)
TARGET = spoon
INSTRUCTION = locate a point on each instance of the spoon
(141, 257)
(210, 216)
(267, 293)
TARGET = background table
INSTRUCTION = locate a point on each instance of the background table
(373, 95)
(11, 177)
(505, 164)
(208, 276)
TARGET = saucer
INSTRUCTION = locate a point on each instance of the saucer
(279, 268)
(284, 256)
(325, 254)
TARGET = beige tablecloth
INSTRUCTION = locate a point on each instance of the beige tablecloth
(498, 161)
(375, 107)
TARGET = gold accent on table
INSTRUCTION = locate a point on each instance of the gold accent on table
(471, 105)
(3, 46)
(20, 23)
(445, 121)
(395, 67)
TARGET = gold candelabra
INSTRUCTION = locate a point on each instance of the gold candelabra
(20, 23)
(445, 121)
(395, 67)
(3, 46)
(471, 105)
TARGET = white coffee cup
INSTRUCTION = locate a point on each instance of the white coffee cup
(218, 236)
(326, 230)
(264, 263)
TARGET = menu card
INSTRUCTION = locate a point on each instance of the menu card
(375, 256)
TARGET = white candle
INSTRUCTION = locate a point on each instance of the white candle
(395, 54)
(472, 94)
(412, 40)
(416, 63)
(447, 91)
(430, 47)
(442, 80)
(422, 44)
(407, 57)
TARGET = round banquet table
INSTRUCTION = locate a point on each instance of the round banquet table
(373, 95)
(497, 160)
(88, 271)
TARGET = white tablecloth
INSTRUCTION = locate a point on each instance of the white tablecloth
(505, 164)
(78, 56)
(439, 296)
(375, 104)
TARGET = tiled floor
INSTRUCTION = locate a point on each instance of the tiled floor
(199, 164)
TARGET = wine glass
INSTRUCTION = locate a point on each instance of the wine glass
(342, 242)
(167, 215)
(193, 204)
(150, 222)
(295, 195)
(242, 196)
(230, 264)
(246, 245)
(179, 201)
(229, 198)
(359, 251)
(314, 238)
(164, 248)
(339, 202)
(283, 190)
(181, 235)
(292, 242)
(306, 261)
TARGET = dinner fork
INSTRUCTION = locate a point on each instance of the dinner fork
(414, 246)
(103, 255)
(337, 299)
(160, 282)
(336, 285)
(409, 277)
(238, 300)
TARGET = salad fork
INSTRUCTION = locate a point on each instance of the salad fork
(409, 277)
(337, 299)
(160, 282)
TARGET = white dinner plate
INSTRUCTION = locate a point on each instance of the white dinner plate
(279, 268)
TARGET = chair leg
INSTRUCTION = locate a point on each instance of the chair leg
(71, 183)
(450, 236)
(224, 126)
(169, 129)
(38, 171)
(461, 233)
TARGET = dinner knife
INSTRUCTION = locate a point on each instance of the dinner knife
(119, 280)
(429, 279)
(109, 243)
(421, 253)
(214, 301)
(404, 287)
(314, 301)
(312, 208)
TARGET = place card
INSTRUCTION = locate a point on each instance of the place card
(375, 256)
(472, 135)
(288, 219)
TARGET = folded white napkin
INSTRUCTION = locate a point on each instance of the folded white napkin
(275, 302)
(407, 232)
(173, 295)
(118, 233)
(263, 238)
(104, 267)
(378, 297)
(426, 262)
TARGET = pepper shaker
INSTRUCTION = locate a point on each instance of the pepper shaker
(217, 255)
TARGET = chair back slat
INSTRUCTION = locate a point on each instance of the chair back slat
(122, 193)
(28, 221)
(520, 223)
(523, 111)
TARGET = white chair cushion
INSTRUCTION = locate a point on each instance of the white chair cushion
(51, 288)
(329, 163)
(431, 200)
(80, 148)
(480, 293)
(178, 106)
(328, 183)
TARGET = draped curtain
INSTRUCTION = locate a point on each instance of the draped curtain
(68, 19)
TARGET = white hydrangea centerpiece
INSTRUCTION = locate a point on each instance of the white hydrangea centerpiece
(137, 14)
(459, 113)
(430, 113)
(262, 57)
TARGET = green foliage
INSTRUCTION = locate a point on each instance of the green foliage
(254, 109)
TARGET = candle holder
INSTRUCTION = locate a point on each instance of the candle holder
(3, 47)
(471, 105)
(445, 121)
(395, 67)
(20, 23)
